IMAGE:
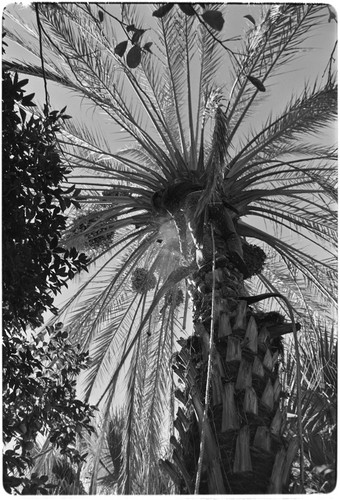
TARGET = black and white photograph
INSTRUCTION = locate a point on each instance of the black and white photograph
(169, 248)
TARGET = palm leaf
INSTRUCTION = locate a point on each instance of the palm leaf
(307, 114)
(271, 44)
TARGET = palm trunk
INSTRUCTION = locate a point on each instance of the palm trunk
(245, 451)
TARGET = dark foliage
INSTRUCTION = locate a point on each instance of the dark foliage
(33, 201)
(38, 371)
(212, 18)
(100, 238)
(39, 396)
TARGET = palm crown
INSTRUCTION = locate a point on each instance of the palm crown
(185, 123)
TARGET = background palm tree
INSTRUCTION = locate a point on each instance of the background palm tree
(197, 180)
(319, 396)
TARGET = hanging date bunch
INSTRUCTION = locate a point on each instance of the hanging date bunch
(175, 297)
(113, 192)
(254, 258)
(98, 238)
(142, 280)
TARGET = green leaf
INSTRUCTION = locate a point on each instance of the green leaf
(76, 204)
(187, 8)
(70, 189)
(54, 242)
(59, 250)
(134, 56)
(147, 47)
(23, 115)
(131, 27)
(121, 48)
(214, 19)
(250, 18)
(257, 83)
(14, 481)
(27, 100)
(162, 11)
(137, 35)
(22, 83)
(332, 15)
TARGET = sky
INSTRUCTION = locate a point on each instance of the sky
(306, 68)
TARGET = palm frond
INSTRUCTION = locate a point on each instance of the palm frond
(317, 273)
(312, 111)
(271, 44)
(318, 348)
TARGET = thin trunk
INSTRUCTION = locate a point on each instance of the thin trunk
(245, 451)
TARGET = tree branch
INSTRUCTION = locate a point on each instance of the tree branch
(47, 98)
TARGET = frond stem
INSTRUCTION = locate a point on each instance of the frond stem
(175, 95)
(191, 124)
(47, 98)
(209, 370)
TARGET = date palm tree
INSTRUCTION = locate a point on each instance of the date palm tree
(207, 209)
